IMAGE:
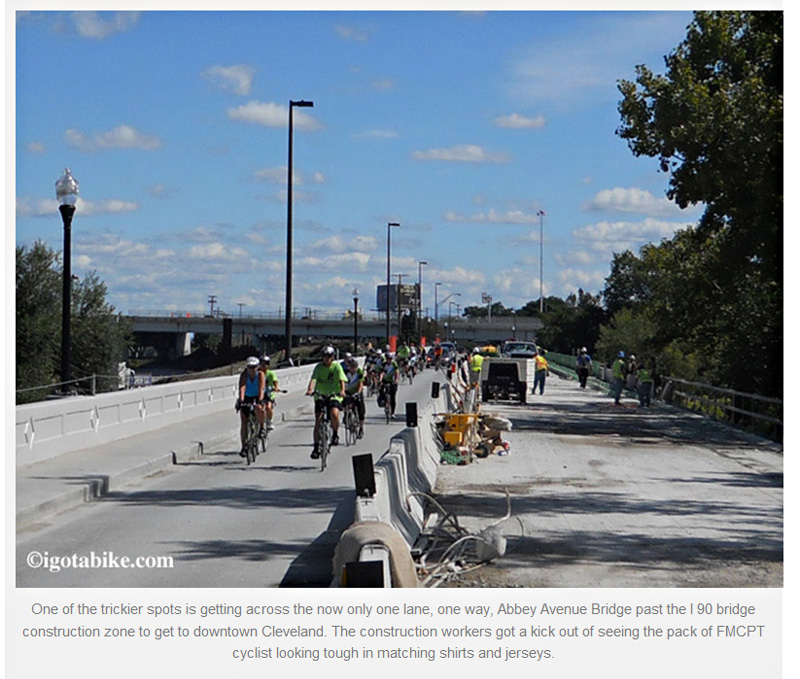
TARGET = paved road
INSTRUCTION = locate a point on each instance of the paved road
(606, 496)
(273, 524)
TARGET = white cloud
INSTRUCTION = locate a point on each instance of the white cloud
(270, 114)
(36, 147)
(465, 153)
(237, 79)
(515, 121)
(97, 25)
(348, 261)
(606, 236)
(383, 84)
(121, 137)
(278, 175)
(47, 207)
(377, 134)
(218, 252)
(632, 200)
(566, 71)
(351, 33)
(494, 217)
(339, 243)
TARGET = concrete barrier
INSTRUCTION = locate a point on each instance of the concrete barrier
(407, 469)
(51, 428)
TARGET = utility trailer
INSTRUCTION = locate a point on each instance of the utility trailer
(507, 379)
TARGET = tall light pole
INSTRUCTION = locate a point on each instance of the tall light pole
(419, 300)
(67, 190)
(389, 274)
(400, 277)
(541, 259)
(355, 321)
(292, 104)
(436, 304)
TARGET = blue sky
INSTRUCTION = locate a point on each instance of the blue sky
(461, 126)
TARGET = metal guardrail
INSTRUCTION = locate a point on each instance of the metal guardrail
(760, 414)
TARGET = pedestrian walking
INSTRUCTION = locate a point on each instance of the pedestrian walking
(541, 371)
(618, 377)
(584, 365)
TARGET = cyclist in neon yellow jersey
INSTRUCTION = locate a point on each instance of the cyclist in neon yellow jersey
(270, 388)
(327, 379)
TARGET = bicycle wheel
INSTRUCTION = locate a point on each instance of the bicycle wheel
(324, 444)
(350, 426)
(252, 441)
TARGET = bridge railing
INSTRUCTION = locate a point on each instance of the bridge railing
(51, 428)
(760, 414)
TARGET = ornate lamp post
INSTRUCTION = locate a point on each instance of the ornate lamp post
(288, 357)
(67, 190)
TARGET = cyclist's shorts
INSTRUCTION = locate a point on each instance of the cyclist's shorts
(319, 404)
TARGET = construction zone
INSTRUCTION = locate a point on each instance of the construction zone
(402, 536)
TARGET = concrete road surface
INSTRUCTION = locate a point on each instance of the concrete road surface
(622, 496)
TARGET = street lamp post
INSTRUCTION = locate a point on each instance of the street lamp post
(292, 104)
(540, 213)
(419, 300)
(400, 277)
(355, 321)
(436, 304)
(67, 190)
(389, 274)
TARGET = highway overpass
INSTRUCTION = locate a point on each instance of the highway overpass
(170, 333)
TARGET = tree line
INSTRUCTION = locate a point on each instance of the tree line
(707, 303)
(99, 336)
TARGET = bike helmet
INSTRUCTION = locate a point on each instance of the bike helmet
(252, 362)
(265, 359)
(622, 354)
(328, 351)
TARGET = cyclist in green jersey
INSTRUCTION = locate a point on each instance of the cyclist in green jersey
(354, 390)
(327, 379)
(270, 388)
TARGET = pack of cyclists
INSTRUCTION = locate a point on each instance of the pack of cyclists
(334, 385)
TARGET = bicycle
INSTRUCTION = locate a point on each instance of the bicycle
(324, 429)
(383, 394)
(252, 438)
(263, 436)
(350, 421)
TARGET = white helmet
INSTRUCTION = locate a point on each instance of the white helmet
(252, 362)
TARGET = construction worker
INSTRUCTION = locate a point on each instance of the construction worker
(541, 371)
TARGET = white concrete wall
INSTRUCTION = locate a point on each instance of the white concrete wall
(51, 428)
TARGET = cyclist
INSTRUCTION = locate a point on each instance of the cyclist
(389, 374)
(328, 379)
(354, 391)
(371, 366)
(403, 355)
(251, 390)
(270, 388)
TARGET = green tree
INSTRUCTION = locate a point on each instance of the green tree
(715, 122)
(38, 318)
(713, 294)
(98, 335)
